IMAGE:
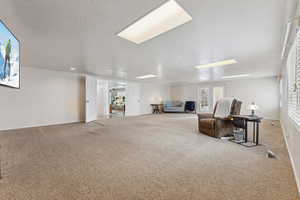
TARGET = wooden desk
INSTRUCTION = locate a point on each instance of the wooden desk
(156, 108)
(256, 121)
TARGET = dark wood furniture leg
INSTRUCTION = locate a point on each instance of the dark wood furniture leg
(256, 121)
(246, 131)
(254, 124)
(155, 109)
(257, 133)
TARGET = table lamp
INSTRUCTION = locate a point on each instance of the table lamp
(252, 107)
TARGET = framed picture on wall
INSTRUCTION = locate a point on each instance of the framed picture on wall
(9, 58)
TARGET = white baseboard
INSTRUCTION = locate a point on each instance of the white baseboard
(43, 125)
(296, 175)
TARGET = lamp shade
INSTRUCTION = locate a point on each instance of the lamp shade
(253, 106)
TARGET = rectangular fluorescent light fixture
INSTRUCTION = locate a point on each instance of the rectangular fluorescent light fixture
(166, 17)
(236, 76)
(146, 76)
(217, 64)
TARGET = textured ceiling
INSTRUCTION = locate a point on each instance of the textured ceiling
(59, 34)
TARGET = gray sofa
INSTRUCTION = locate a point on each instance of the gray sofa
(174, 106)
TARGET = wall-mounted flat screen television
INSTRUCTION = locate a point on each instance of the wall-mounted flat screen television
(9, 58)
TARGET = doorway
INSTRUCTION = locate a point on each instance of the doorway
(110, 98)
(117, 101)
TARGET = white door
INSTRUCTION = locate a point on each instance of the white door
(90, 99)
(133, 93)
(102, 98)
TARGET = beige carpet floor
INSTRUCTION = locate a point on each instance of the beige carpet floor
(160, 157)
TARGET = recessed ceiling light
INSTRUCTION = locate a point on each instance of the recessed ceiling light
(166, 17)
(146, 76)
(203, 78)
(217, 64)
(121, 83)
(72, 68)
(236, 76)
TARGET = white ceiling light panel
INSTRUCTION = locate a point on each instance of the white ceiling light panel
(167, 17)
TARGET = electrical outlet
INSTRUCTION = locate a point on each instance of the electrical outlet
(287, 136)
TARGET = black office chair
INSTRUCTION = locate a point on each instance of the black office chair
(239, 123)
(190, 106)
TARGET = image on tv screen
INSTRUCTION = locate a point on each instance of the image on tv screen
(9, 58)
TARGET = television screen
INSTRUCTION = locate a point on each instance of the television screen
(9, 58)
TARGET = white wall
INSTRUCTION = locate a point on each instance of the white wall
(291, 133)
(263, 91)
(153, 93)
(184, 92)
(139, 96)
(45, 98)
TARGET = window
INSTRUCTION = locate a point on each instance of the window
(218, 94)
(293, 67)
(203, 99)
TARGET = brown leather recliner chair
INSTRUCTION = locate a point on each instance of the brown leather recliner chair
(209, 125)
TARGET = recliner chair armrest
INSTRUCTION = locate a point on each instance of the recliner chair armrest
(205, 115)
(225, 118)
